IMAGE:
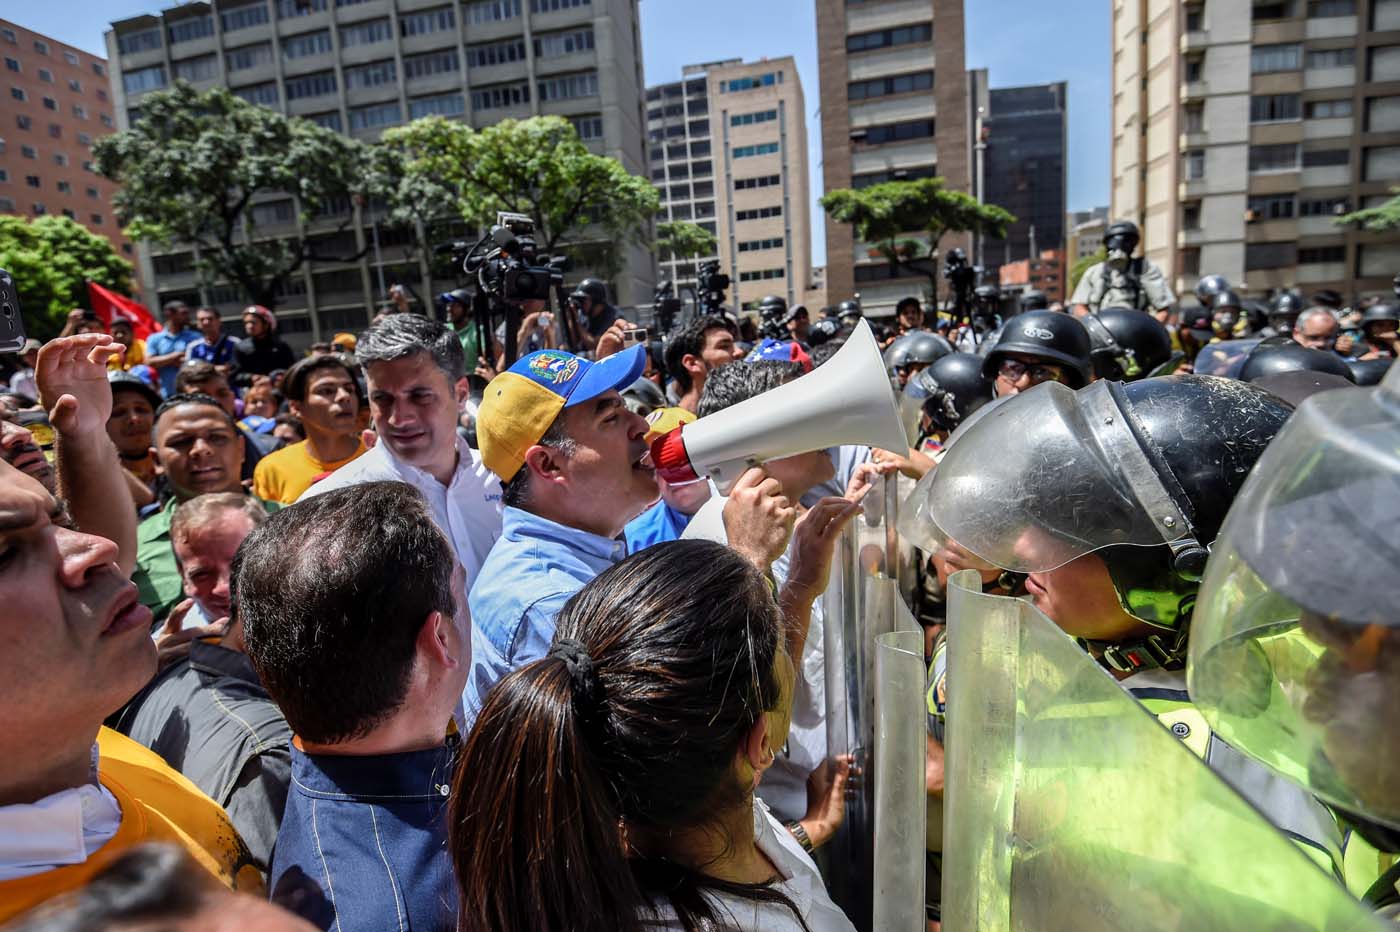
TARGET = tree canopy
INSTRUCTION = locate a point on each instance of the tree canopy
(1082, 264)
(1383, 218)
(681, 239)
(885, 215)
(583, 205)
(193, 164)
(51, 260)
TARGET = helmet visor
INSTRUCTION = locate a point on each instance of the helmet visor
(1225, 358)
(1295, 643)
(1047, 476)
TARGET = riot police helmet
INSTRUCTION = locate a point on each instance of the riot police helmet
(1048, 335)
(1284, 310)
(1208, 286)
(1033, 299)
(849, 310)
(823, 330)
(643, 396)
(896, 355)
(951, 389)
(1380, 314)
(1227, 298)
(1122, 236)
(1273, 358)
(1127, 344)
(592, 288)
(772, 305)
(1367, 372)
(987, 293)
(925, 347)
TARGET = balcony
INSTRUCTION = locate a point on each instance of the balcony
(1187, 238)
(1194, 41)
(1326, 176)
(1194, 90)
(1192, 189)
(1329, 128)
(1317, 78)
(1331, 27)
(1322, 272)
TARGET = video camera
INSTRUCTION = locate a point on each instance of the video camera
(962, 276)
(665, 305)
(711, 283)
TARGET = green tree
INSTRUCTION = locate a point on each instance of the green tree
(584, 205)
(192, 166)
(1383, 218)
(51, 260)
(884, 215)
(1082, 264)
(681, 239)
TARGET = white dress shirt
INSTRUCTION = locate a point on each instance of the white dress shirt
(468, 510)
(64, 828)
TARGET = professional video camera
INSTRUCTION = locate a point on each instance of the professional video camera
(665, 305)
(711, 283)
(962, 276)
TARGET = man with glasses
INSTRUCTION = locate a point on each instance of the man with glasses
(1039, 346)
(1317, 328)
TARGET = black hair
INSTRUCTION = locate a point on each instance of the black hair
(690, 341)
(671, 661)
(739, 381)
(294, 383)
(195, 372)
(332, 628)
(180, 399)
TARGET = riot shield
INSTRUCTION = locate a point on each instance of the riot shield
(1069, 807)
(899, 779)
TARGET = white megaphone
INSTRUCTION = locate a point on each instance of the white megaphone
(847, 401)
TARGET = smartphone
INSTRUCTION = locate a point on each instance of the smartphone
(633, 337)
(11, 324)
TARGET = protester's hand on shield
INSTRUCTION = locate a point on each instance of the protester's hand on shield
(912, 464)
(173, 641)
(826, 798)
(864, 477)
(954, 556)
(813, 542)
(758, 518)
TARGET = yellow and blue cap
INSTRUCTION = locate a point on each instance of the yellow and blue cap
(523, 401)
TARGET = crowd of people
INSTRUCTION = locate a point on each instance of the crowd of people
(406, 634)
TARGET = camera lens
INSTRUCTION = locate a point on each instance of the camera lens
(9, 311)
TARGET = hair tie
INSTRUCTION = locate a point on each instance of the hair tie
(579, 665)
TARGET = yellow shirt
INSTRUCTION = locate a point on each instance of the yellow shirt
(157, 804)
(134, 355)
(282, 476)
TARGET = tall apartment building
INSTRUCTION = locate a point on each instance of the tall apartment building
(56, 104)
(1024, 171)
(1242, 129)
(894, 105)
(361, 66)
(728, 151)
(1084, 231)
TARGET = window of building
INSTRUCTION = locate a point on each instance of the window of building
(307, 44)
(1191, 215)
(680, 170)
(312, 85)
(55, 131)
(330, 120)
(1331, 58)
(444, 62)
(19, 93)
(703, 189)
(588, 127)
(144, 79)
(760, 244)
(196, 27)
(761, 275)
(884, 87)
(33, 181)
(1270, 256)
(243, 17)
(550, 6)
(438, 105)
(500, 96)
(492, 11)
(886, 38)
(75, 85)
(274, 212)
(658, 174)
(366, 33)
(64, 187)
(763, 181)
(699, 149)
(702, 168)
(1319, 9)
(249, 56)
(1195, 18)
(101, 94)
(1385, 63)
(9, 35)
(98, 69)
(375, 74)
(23, 122)
(375, 116)
(50, 104)
(90, 191)
(679, 192)
(766, 148)
(495, 53)
(61, 160)
(264, 95)
(559, 44)
(896, 132)
(1327, 109)
(430, 21)
(29, 152)
(1319, 255)
(1273, 108)
(41, 46)
(38, 209)
(46, 75)
(1383, 114)
(747, 119)
(4, 175)
(1385, 15)
(1382, 163)
(1194, 119)
(7, 203)
(1272, 207)
(291, 9)
(1326, 157)
(759, 213)
(106, 120)
(1274, 9)
(698, 127)
(1281, 157)
(1323, 206)
(12, 64)
(144, 41)
(1194, 164)
(1286, 56)
(70, 58)
(565, 87)
(1195, 68)
(203, 68)
(751, 82)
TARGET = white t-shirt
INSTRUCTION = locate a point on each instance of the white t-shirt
(784, 785)
(800, 883)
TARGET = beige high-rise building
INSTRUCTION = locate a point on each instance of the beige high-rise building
(894, 105)
(1241, 130)
(728, 151)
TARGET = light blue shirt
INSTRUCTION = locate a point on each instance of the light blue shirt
(656, 525)
(162, 342)
(533, 569)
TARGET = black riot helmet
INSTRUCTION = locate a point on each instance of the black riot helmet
(1141, 473)
(926, 346)
(1122, 236)
(823, 330)
(1033, 299)
(592, 288)
(1284, 311)
(987, 296)
(1379, 314)
(1127, 344)
(1368, 372)
(1055, 337)
(849, 310)
(772, 305)
(1272, 358)
(1209, 286)
(952, 387)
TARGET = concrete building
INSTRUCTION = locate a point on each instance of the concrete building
(1084, 231)
(360, 66)
(57, 104)
(1241, 130)
(1045, 271)
(728, 151)
(1025, 145)
(894, 104)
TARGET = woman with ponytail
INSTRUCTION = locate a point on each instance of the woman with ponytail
(609, 787)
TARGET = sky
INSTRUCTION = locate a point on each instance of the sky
(1018, 41)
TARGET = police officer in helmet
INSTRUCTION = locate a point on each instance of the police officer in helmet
(948, 392)
(1033, 299)
(1036, 347)
(1209, 286)
(1129, 345)
(912, 352)
(1272, 359)
(1379, 324)
(849, 312)
(1227, 315)
(596, 314)
(1122, 279)
(1283, 313)
(772, 314)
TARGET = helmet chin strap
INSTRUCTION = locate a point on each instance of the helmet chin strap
(1165, 651)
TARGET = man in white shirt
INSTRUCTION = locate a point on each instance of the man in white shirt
(416, 374)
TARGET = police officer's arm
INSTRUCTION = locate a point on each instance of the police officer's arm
(72, 379)
(1156, 290)
(1084, 291)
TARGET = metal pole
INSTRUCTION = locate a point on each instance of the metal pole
(378, 259)
(980, 148)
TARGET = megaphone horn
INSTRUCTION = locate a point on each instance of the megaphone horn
(848, 400)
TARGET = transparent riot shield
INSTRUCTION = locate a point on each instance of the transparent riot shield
(899, 779)
(1069, 807)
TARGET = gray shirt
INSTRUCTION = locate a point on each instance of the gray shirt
(1105, 286)
(209, 717)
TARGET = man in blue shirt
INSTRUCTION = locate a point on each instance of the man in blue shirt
(165, 349)
(214, 346)
(666, 519)
(362, 641)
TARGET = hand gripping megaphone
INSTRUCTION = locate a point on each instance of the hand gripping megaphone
(847, 401)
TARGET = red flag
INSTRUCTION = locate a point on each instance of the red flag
(109, 306)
